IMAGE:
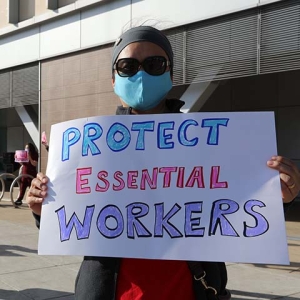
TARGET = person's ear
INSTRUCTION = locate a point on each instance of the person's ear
(113, 81)
(171, 73)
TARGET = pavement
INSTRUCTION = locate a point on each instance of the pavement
(25, 275)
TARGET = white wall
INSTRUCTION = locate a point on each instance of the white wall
(20, 48)
(104, 23)
(86, 27)
(263, 2)
(60, 36)
(173, 13)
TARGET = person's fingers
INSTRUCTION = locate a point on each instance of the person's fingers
(31, 201)
(40, 182)
(287, 179)
(289, 176)
(286, 161)
(280, 161)
(34, 203)
(288, 194)
(280, 166)
(287, 167)
(36, 184)
(42, 177)
(36, 192)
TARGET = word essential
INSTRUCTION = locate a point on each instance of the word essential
(163, 177)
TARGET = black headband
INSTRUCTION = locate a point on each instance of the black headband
(142, 34)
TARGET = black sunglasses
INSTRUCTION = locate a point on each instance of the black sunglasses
(153, 65)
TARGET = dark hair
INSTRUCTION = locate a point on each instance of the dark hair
(32, 151)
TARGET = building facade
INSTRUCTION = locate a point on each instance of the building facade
(230, 55)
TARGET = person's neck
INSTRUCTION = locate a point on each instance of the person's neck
(160, 108)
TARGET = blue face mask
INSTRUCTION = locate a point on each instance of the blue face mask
(143, 91)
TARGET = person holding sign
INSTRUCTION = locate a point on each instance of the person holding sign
(142, 70)
(27, 167)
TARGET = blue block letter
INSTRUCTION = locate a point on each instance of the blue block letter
(213, 124)
(119, 144)
(67, 142)
(88, 140)
(141, 127)
(182, 133)
(162, 137)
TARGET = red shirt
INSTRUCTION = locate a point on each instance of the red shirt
(145, 279)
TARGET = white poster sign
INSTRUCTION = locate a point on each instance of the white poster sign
(170, 186)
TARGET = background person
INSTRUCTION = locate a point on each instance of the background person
(28, 168)
(142, 76)
(44, 141)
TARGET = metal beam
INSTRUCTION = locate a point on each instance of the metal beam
(196, 95)
(199, 92)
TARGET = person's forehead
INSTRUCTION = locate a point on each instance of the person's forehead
(141, 50)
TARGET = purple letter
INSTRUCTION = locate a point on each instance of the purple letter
(162, 222)
(110, 211)
(191, 226)
(261, 224)
(82, 230)
(218, 218)
(134, 212)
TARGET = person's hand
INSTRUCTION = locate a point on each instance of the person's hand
(289, 177)
(37, 192)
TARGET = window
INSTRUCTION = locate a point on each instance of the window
(55, 4)
(62, 3)
(20, 10)
(26, 9)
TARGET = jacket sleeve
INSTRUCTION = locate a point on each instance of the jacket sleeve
(287, 206)
(37, 220)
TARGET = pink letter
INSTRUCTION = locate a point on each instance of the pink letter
(167, 176)
(131, 179)
(196, 175)
(146, 177)
(118, 176)
(214, 177)
(180, 178)
(80, 182)
(101, 176)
